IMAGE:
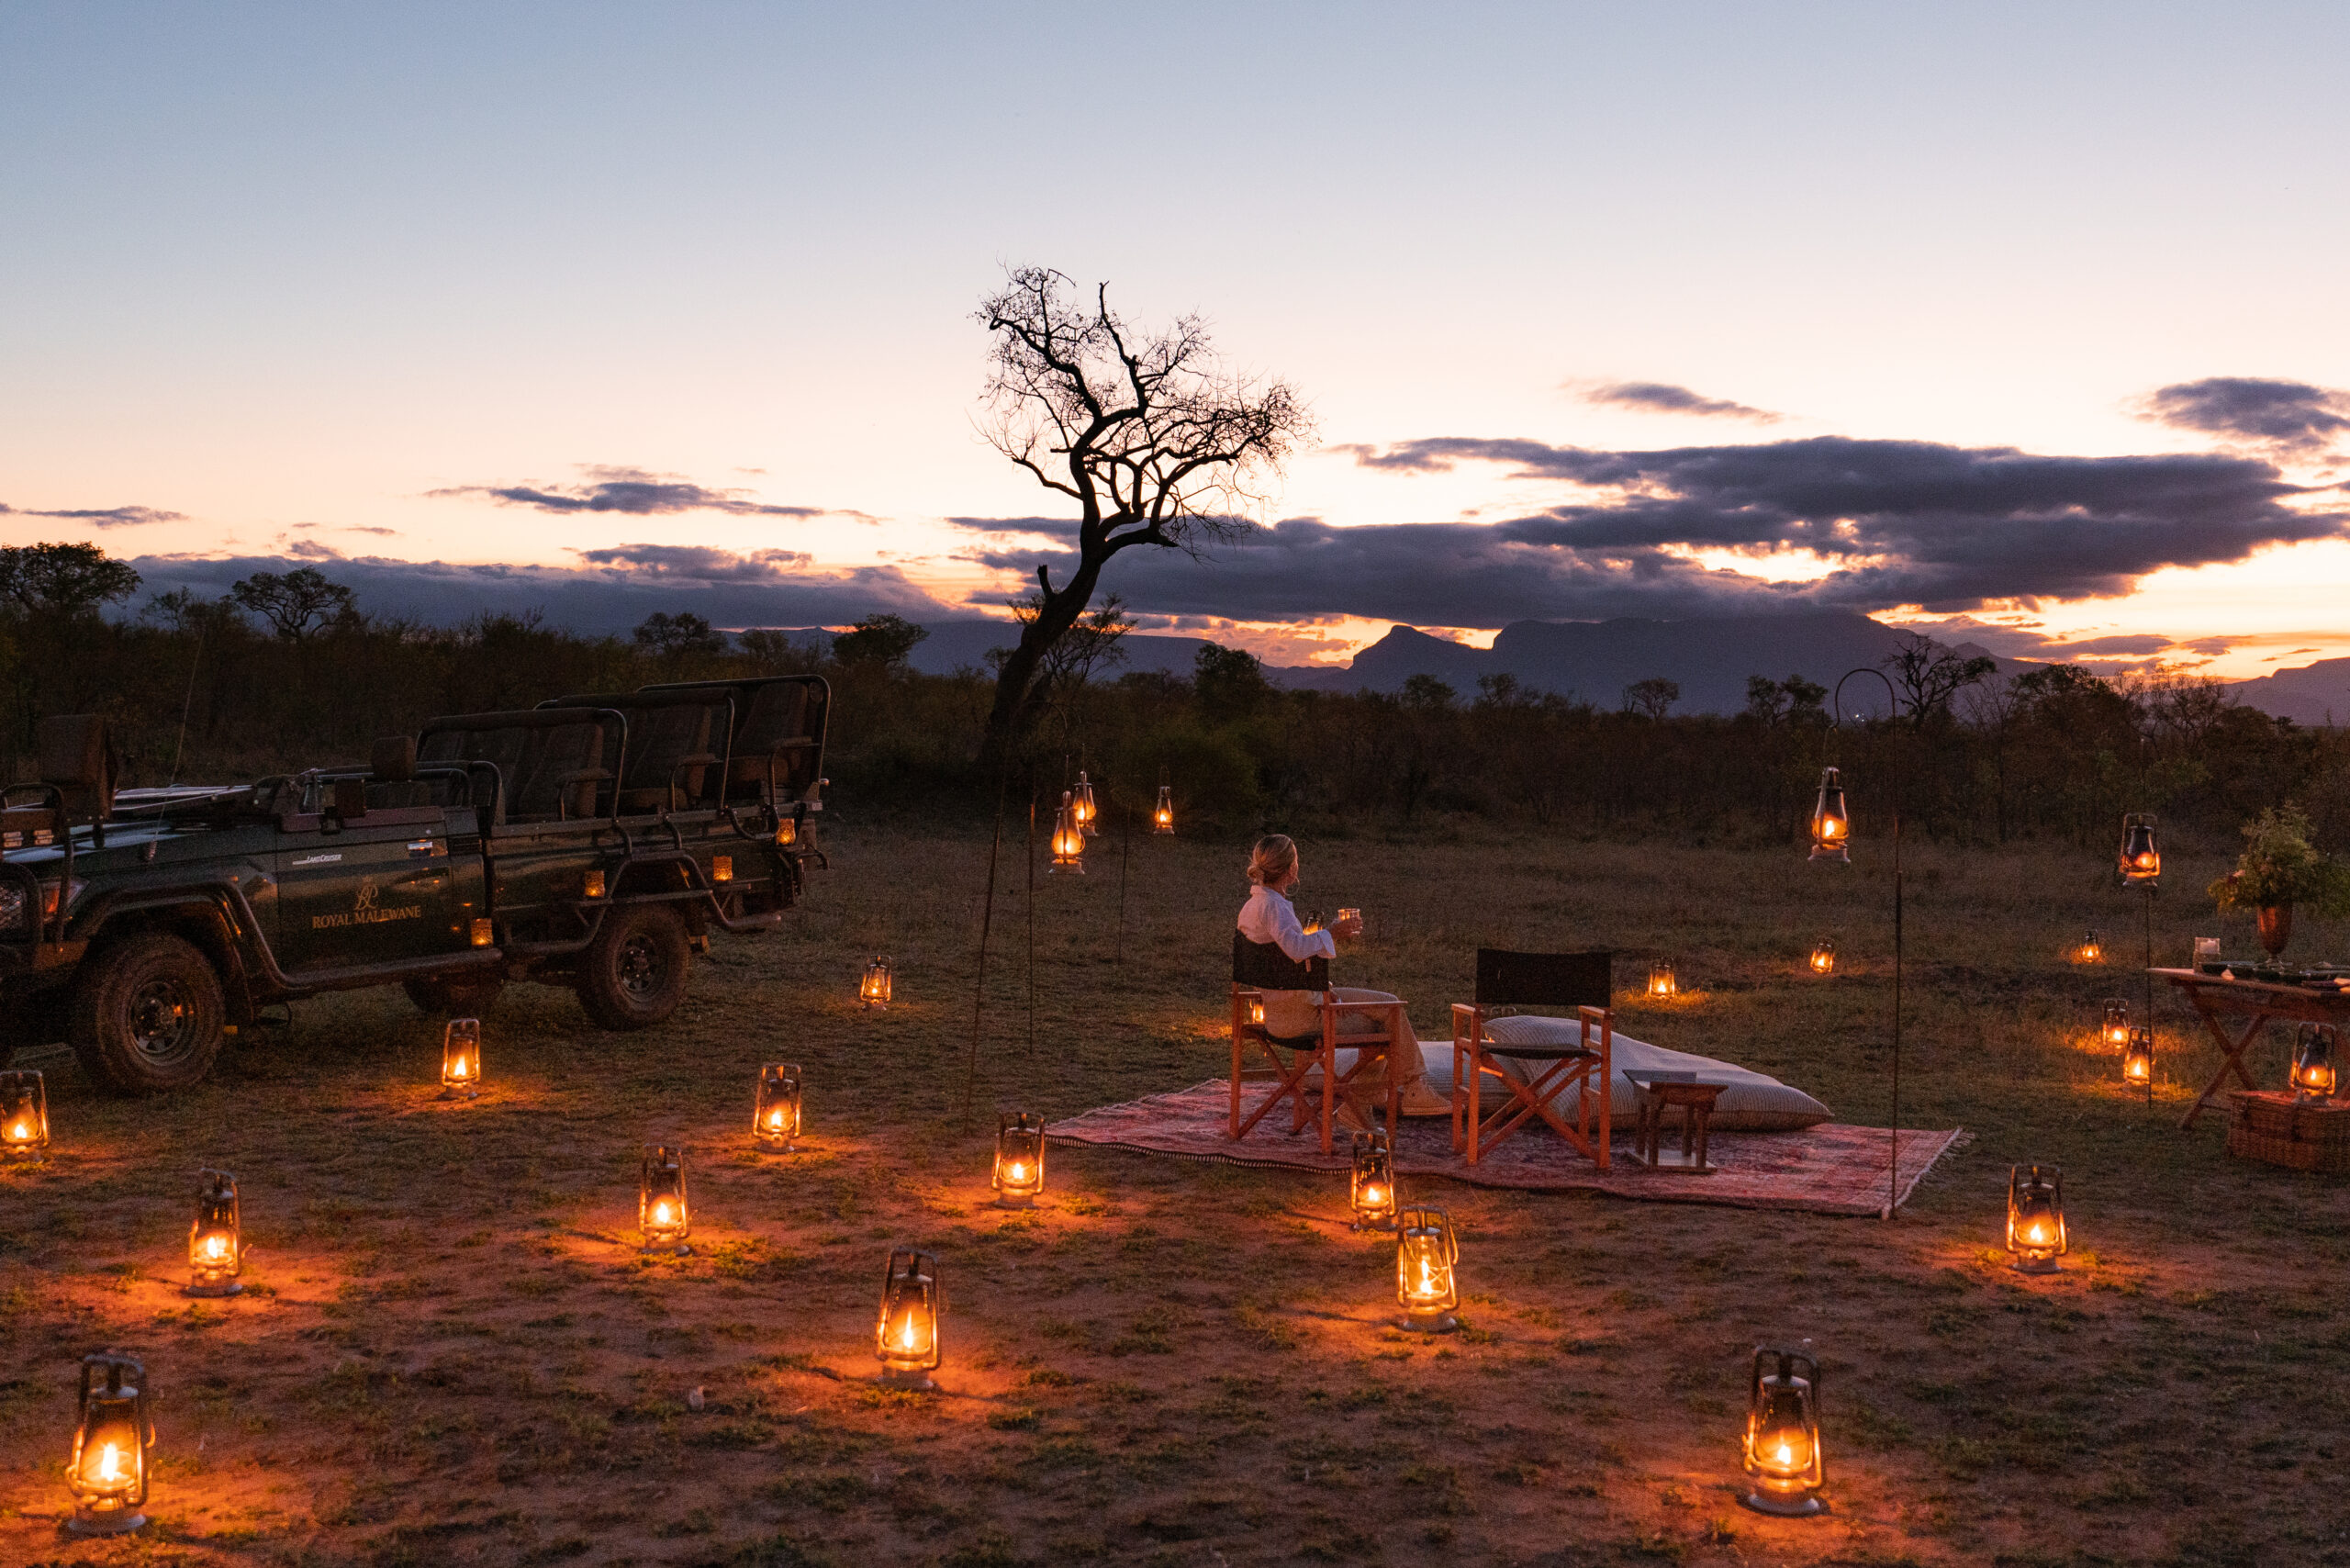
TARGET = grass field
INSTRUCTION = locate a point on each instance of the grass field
(452, 1352)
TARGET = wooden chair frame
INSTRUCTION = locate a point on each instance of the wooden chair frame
(1575, 1067)
(1306, 1053)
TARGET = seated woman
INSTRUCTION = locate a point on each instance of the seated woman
(1268, 916)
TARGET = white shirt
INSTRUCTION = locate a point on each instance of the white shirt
(1268, 917)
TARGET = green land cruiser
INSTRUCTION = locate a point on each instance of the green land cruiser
(592, 841)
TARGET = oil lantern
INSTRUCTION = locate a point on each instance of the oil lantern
(1068, 842)
(661, 1211)
(775, 1120)
(787, 830)
(592, 885)
(216, 1242)
(906, 1336)
(109, 1471)
(721, 867)
(1162, 816)
(1425, 1251)
(873, 990)
(1019, 1160)
(1661, 985)
(2114, 1033)
(1082, 808)
(2314, 1054)
(1782, 1458)
(2138, 1059)
(2142, 859)
(2035, 1218)
(24, 1115)
(1257, 1011)
(1823, 959)
(1831, 825)
(1372, 1192)
(461, 1059)
(2090, 951)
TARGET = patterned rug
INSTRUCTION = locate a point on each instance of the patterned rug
(1829, 1168)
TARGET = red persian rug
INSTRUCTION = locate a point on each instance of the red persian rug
(1828, 1169)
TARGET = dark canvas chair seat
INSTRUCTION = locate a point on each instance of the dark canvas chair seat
(550, 761)
(1311, 1075)
(674, 752)
(1533, 1076)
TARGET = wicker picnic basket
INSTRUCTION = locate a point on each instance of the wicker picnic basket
(2270, 1125)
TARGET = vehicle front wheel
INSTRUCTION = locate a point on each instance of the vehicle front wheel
(633, 975)
(147, 1014)
(466, 996)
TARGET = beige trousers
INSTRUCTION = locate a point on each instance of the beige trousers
(1297, 1013)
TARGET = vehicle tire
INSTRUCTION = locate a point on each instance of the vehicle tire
(146, 1015)
(633, 975)
(454, 996)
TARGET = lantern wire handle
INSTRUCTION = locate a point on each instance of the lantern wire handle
(1836, 721)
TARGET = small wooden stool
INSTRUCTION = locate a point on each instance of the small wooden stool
(1656, 1091)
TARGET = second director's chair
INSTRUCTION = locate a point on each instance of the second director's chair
(1534, 1075)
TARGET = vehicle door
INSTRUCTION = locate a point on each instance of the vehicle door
(373, 888)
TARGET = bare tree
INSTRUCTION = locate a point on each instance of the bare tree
(1929, 675)
(1653, 697)
(295, 604)
(1155, 442)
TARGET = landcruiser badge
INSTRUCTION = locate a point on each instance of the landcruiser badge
(317, 860)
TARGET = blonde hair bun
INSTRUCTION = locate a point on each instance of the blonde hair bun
(1272, 859)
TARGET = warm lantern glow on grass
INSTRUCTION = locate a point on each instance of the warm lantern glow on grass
(2316, 1050)
(107, 1473)
(873, 990)
(1661, 986)
(1782, 1453)
(774, 1119)
(1823, 959)
(1018, 1160)
(1371, 1191)
(1831, 825)
(1427, 1252)
(662, 1215)
(2114, 1033)
(1162, 816)
(2090, 951)
(215, 1245)
(907, 1334)
(24, 1115)
(461, 1059)
(2141, 858)
(2035, 1218)
(1067, 841)
(2138, 1059)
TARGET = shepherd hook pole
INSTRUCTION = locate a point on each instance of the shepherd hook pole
(1836, 717)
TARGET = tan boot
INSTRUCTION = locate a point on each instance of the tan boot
(1418, 1100)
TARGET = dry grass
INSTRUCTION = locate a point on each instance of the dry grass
(453, 1353)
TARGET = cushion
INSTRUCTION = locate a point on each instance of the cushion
(1754, 1101)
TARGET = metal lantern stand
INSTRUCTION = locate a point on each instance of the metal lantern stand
(1836, 716)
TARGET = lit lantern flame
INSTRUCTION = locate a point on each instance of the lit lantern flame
(721, 867)
(2035, 1218)
(1782, 1450)
(1372, 1184)
(1019, 1176)
(2138, 1059)
(2090, 951)
(216, 1238)
(787, 830)
(24, 1114)
(1162, 816)
(1257, 1011)
(1426, 1251)
(1661, 986)
(2141, 858)
(1823, 959)
(1081, 808)
(907, 1336)
(2314, 1054)
(1067, 841)
(2115, 1030)
(663, 1218)
(107, 1473)
(460, 1058)
(1832, 824)
(774, 1116)
(592, 885)
(873, 988)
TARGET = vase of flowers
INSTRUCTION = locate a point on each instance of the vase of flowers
(2280, 868)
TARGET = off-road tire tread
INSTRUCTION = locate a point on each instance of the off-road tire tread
(95, 1017)
(607, 1001)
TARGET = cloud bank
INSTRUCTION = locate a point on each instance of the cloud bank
(2292, 415)
(1663, 397)
(101, 517)
(632, 491)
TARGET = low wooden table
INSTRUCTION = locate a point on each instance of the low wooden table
(1657, 1090)
(2263, 1001)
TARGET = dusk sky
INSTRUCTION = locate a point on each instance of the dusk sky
(2021, 317)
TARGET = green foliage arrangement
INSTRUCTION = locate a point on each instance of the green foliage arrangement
(2279, 867)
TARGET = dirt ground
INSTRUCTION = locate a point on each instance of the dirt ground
(452, 1352)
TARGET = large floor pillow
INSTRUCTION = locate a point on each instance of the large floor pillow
(1754, 1101)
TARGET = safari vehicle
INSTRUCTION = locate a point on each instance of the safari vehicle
(593, 842)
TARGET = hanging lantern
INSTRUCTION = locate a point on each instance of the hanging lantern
(1018, 1160)
(662, 1216)
(906, 1336)
(1068, 842)
(2114, 1033)
(1831, 825)
(1425, 1251)
(1081, 808)
(873, 990)
(1660, 986)
(2315, 1051)
(1372, 1192)
(1162, 816)
(24, 1115)
(775, 1120)
(2138, 1059)
(2035, 1218)
(216, 1242)
(108, 1473)
(1823, 959)
(2090, 951)
(461, 1059)
(1782, 1458)
(2142, 859)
